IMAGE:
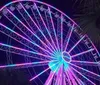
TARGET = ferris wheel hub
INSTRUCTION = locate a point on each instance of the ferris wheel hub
(61, 59)
(66, 56)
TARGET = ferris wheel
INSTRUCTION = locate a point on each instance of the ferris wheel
(48, 44)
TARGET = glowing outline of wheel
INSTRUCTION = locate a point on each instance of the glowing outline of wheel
(56, 46)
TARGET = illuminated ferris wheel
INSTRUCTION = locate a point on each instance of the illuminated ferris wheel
(50, 45)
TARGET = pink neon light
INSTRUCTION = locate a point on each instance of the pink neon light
(76, 43)
(69, 36)
(41, 72)
(23, 64)
(82, 53)
(61, 32)
(59, 79)
(74, 76)
(50, 76)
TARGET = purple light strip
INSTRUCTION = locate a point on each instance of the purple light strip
(41, 72)
(89, 72)
(37, 27)
(44, 25)
(28, 30)
(53, 28)
(87, 63)
(59, 76)
(68, 37)
(82, 83)
(72, 78)
(83, 76)
(48, 83)
(64, 79)
(76, 44)
(23, 64)
(50, 80)
(61, 32)
(50, 75)
(67, 75)
(84, 52)
(77, 79)
(2, 44)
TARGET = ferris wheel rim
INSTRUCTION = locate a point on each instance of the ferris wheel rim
(12, 2)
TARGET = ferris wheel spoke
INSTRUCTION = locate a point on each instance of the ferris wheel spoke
(76, 78)
(87, 72)
(49, 81)
(72, 78)
(25, 39)
(35, 25)
(67, 76)
(21, 51)
(76, 44)
(83, 76)
(42, 72)
(64, 80)
(82, 83)
(59, 79)
(84, 52)
(40, 21)
(68, 37)
(61, 32)
(86, 63)
(53, 28)
(30, 64)
(49, 77)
